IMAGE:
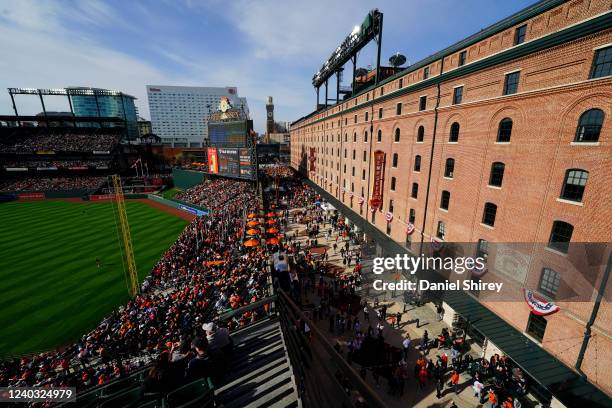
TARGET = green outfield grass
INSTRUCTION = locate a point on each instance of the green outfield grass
(51, 291)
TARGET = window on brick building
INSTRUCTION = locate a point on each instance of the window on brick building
(511, 83)
(449, 168)
(346, 137)
(425, 72)
(550, 281)
(354, 137)
(345, 153)
(497, 174)
(373, 217)
(489, 214)
(395, 160)
(388, 228)
(398, 108)
(462, 58)
(445, 200)
(441, 231)
(412, 216)
(390, 206)
(401, 83)
(366, 116)
(423, 103)
(353, 171)
(417, 163)
(415, 190)
(536, 326)
(589, 126)
(365, 155)
(363, 173)
(560, 236)
(365, 136)
(602, 63)
(519, 34)
(380, 113)
(397, 135)
(482, 249)
(454, 132)
(421, 134)
(392, 183)
(574, 184)
(379, 136)
(457, 95)
(504, 131)
(354, 154)
(344, 169)
(355, 118)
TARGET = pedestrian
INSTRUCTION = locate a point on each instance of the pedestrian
(440, 312)
(477, 387)
(423, 376)
(398, 319)
(455, 381)
(406, 347)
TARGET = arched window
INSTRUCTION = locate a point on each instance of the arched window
(449, 168)
(445, 200)
(415, 190)
(560, 236)
(395, 159)
(504, 131)
(574, 184)
(589, 126)
(397, 135)
(417, 163)
(489, 213)
(421, 134)
(454, 133)
(497, 174)
(346, 137)
(379, 136)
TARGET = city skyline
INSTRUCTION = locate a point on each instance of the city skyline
(117, 46)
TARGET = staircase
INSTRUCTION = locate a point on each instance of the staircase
(261, 373)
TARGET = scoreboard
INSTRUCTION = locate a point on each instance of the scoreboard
(228, 134)
(231, 162)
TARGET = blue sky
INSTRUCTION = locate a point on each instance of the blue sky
(263, 47)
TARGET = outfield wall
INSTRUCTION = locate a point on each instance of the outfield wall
(184, 179)
(181, 205)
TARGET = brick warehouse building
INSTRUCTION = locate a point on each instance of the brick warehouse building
(501, 137)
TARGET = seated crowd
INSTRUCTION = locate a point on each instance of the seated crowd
(175, 319)
(56, 163)
(63, 142)
(57, 183)
(216, 194)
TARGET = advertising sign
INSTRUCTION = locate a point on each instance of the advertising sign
(379, 175)
(229, 162)
(213, 161)
(246, 170)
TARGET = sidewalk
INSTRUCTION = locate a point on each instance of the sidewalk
(413, 396)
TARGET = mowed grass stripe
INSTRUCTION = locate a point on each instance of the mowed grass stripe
(52, 292)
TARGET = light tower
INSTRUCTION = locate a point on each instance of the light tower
(269, 119)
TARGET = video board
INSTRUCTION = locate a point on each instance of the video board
(228, 134)
(231, 162)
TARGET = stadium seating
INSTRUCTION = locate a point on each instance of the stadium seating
(129, 398)
(198, 393)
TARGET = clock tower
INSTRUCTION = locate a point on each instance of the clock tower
(269, 119)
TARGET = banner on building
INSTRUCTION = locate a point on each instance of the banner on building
(213, 161)
(312, 159)
(379, 176)
(539, 306)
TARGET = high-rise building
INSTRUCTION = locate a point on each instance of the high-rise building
(179, 114)
(105, 103)
(144, 127)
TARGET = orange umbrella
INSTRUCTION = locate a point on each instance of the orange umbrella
(251, 243)
(252, 215)
(271, 222)
(272, 230)
(272, 241)
(253, 231)
(212, 263)
(253, 223)
(270, 214)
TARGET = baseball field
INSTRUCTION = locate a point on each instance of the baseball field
(51, 289)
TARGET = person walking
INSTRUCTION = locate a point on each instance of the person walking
(398, 319)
